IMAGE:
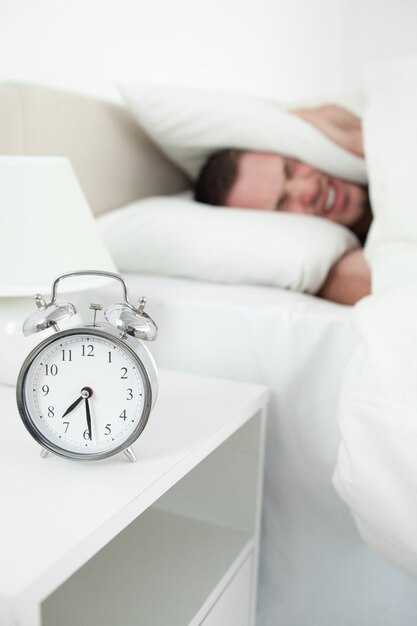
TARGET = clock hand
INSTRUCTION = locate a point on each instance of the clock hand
(87, 410)
(73, 405)
(86, 392)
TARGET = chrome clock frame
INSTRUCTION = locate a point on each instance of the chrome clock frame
(137, 351)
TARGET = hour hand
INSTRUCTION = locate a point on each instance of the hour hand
(73, 405)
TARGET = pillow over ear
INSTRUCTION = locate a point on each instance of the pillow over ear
(190, 124)
(176, 236)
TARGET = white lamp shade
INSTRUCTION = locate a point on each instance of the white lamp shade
(46, 227)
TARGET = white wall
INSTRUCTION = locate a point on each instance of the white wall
(285, 48)
(377, 31)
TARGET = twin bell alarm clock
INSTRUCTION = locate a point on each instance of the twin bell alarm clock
(86, 392)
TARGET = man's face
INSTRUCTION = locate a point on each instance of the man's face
(271, 182)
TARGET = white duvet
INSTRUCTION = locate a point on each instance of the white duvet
(376, 472)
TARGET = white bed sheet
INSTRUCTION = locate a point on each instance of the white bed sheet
(314, 568)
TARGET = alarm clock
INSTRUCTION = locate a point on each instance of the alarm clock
(86, 392)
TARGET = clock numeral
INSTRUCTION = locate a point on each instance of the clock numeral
(86, 434)
(129, 394)
(124, 375)
(45, 390)
(107, 430)
(51, 411)
(123, 415)
(66, 426)
(65, 356)
(109, 361)
(51, 369)
(87, 350)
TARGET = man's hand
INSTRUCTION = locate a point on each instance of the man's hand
(339, 124)
(349, 279)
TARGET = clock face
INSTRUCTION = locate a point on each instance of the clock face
(84, 394)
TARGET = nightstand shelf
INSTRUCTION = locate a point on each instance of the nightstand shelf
(175, 537)
(163, 570)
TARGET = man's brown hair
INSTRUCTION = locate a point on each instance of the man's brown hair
(217, 177)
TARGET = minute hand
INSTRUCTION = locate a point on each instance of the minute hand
(73, 405)
(88, 415)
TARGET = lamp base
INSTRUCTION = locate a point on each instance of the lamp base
(14, 346)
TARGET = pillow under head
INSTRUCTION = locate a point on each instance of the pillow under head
(175, 236)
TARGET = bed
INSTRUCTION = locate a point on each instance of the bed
(315, 569)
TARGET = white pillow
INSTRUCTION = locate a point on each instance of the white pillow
(190, 124)
(176, 236)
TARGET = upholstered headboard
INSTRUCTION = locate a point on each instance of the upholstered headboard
(114, 160)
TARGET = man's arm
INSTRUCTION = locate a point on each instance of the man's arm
(339, 124)
(349, 279)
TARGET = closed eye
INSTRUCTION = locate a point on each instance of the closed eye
(288, 172)
(289, 168)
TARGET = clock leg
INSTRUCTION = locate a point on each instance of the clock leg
(44, 453)
(130, 454)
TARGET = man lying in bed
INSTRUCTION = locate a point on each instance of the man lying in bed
(273, 182)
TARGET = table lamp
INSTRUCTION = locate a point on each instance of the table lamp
(46, 229)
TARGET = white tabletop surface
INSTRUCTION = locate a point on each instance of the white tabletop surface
(56, 513)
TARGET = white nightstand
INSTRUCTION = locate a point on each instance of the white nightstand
(171, 540)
